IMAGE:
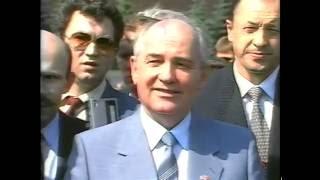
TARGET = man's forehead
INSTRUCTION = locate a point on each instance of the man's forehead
(80, 22)
(170, 28)
(263, 6)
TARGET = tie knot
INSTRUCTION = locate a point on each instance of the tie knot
(72, 101)
(255, 93)
(168, 139)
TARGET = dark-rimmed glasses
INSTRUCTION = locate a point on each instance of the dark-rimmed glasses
(79, 41)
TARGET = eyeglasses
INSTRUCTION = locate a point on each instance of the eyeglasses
(80, 41)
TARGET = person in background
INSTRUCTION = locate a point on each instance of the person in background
(246, 92)
(93, 30)
(223, 50)
(57, 129)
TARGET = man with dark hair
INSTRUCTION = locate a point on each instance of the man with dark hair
(247, 92)
(57, 129)
(93, 30)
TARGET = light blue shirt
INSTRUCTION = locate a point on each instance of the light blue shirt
(154, 132)
(267, 100)
(50, 148)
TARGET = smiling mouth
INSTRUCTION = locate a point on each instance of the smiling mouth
(167, 91)
(259, 55)
(94, 64)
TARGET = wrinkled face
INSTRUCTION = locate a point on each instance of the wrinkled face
(255, 35)
(92, 47)
(53, 79)
(166, 69)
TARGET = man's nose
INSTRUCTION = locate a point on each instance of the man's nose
(260, 38)
(167, 74)
(91, 50)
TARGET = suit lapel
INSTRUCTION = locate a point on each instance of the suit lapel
(273, 170)
(134, 152)
(275, 126)
(231, 99)
(109, 92)
(203, 151)
(68, 128)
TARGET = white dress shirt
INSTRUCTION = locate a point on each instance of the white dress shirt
(154, 132)
(95, 93)
(50, 148)
(267, 100)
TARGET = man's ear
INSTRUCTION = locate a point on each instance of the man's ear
(133, 67)
(229, 29)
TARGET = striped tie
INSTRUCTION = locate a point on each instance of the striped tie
(258, 124)
(75, 104)
(168, 169)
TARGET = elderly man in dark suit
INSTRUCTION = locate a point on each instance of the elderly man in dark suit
(57, 129)
(246, 93)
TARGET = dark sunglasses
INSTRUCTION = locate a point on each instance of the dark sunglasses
(80, 41)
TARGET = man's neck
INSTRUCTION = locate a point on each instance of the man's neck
(78, 88)
(254, 77)
(168, 121)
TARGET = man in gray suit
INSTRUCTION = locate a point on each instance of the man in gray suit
(163, 139)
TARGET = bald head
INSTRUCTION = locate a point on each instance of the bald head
(53, 49)
(180, 30)
(167, 70)
(54, 69)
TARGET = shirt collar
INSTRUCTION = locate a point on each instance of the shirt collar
(95, 93)
(51, 133)
(268, 85)
(154, 131)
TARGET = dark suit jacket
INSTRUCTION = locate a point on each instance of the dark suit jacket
(126, 103)
(221, 100)
(69, 127)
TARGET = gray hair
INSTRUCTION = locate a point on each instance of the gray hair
(163, 14)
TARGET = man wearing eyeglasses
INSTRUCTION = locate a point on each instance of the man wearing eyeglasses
(92, 29)
(57, 129)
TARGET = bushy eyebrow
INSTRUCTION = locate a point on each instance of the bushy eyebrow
(272, 22)
(154, 55)
(253, 23)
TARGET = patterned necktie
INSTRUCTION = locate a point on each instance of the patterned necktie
(258, 124)
(74, 102)
(168, 169)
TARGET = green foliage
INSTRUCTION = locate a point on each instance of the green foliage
(198, 14)
(212, 19)
(126, 8)
(219, 14)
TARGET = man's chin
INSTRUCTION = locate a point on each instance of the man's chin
(89, 78)
(165, 108)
